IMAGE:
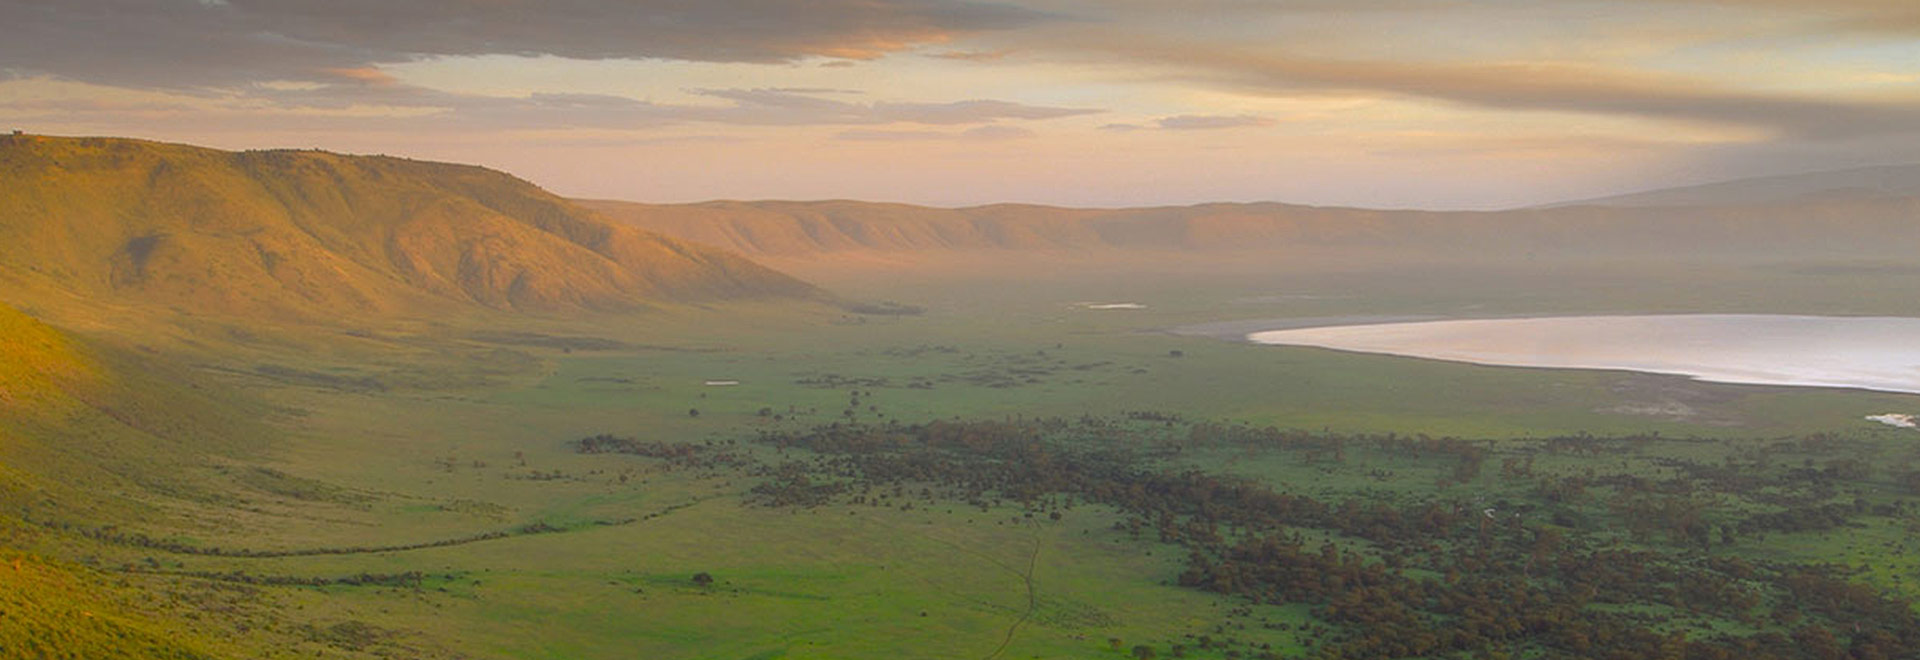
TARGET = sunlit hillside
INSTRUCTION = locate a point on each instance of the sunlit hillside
(301, 234)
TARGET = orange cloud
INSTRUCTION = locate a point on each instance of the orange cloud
(368, 76)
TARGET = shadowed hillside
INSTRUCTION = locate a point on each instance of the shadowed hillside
(305, 234)
(93, 430)
(1850, 227)
(100, 449)
(36, 361)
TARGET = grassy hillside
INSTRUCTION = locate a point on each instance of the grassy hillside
(60, 611)
(97, 435)
(37, 364)
(34, 360)
(91, 438)
(294, 234)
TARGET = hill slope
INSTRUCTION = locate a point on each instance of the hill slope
(95, 438)
(311, 235)
(89, 431)
(60, 611)
(35, 361)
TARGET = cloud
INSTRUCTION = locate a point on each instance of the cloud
(269, 49)
(1749, 64)
(366, 76)
(1191, 123)
(1207, 122)
(972, 55)
(969, 112)
(881, 135)
(1891, 16)
(1829, 12)
(1479, 146)
(772, 106)
(996, 133)
(814, 90)
(988, 133)
(1533, 86)
(752, 107)
(375, 102)
(183, 44)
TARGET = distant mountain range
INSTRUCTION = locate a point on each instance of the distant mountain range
(1890, 181)
(305, 234)
(1869, 213)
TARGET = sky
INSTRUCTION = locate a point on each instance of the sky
(1439, 104)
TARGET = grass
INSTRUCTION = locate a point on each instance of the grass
(56, 611)
(466, 435)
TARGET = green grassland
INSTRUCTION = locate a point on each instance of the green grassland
(416, 490)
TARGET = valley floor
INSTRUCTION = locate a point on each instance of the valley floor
(436, 492)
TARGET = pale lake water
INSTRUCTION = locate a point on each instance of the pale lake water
(1875, 353)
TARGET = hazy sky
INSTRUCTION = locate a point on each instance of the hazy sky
(1385, 103)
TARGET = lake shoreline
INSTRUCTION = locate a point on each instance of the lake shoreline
(1875, 353)
(1242, 330)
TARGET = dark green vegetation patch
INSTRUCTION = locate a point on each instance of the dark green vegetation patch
(1412, 546)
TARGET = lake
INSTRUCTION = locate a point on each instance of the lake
(1875, 353)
